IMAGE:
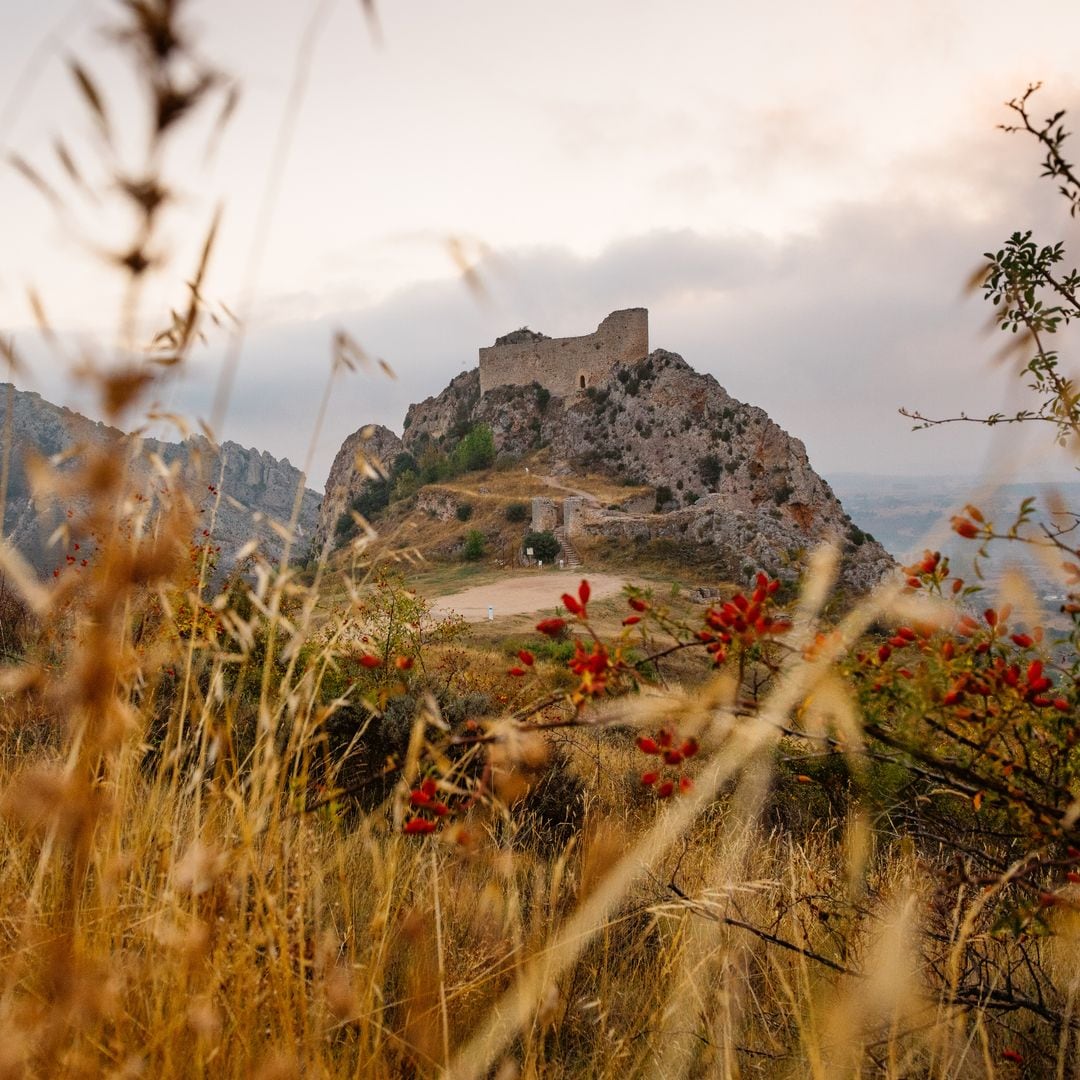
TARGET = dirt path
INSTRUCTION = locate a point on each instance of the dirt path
(522, 594)
(552, 482)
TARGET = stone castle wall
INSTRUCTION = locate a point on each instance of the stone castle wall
(573, 507)
(545, 517)
(566, 366)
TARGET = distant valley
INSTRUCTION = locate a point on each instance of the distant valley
(908, 514)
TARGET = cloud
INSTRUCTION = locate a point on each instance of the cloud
(829, 331)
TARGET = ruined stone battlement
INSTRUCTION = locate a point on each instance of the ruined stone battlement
(566, 366)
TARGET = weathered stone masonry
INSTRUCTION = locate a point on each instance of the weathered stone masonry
(566, 366)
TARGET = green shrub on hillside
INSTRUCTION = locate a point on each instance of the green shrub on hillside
(475, 451)
(475, 545)
(710, 469)
(545, 546)
(405, 486)
(375, 496)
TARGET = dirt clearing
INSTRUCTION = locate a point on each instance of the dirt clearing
(522, 594)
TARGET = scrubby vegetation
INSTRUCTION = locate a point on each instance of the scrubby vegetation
(544, 544)
(473, 451)
(475, 545)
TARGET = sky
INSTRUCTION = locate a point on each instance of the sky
(796, 192)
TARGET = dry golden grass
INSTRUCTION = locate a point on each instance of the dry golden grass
(188, 913)
(437, 536)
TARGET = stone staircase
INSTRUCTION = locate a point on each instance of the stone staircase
(571, 559)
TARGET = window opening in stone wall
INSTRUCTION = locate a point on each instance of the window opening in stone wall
(581, 381)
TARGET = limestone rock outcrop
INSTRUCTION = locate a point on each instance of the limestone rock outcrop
(254, 485)
(446, 413)
(366, 455)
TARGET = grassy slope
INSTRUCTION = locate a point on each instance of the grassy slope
(430, 547)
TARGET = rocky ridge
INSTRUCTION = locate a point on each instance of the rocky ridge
(366, 455)
(254, 485)
(725, 475)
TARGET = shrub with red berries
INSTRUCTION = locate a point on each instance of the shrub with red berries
(428, 808)
(979, 701)
(743, 621)
(666, 775)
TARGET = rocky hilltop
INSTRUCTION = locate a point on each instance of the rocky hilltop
(366, 456)
(255, 486)
(723, 473)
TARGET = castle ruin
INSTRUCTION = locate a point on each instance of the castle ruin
(569, 365)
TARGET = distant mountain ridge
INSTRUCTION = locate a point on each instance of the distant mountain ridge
(254, 484)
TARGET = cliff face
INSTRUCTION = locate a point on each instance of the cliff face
(724, 472)
(672, 427)
(436, 417)
(254, 485)
(42, 429)
(366, 455)
(725, 475)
